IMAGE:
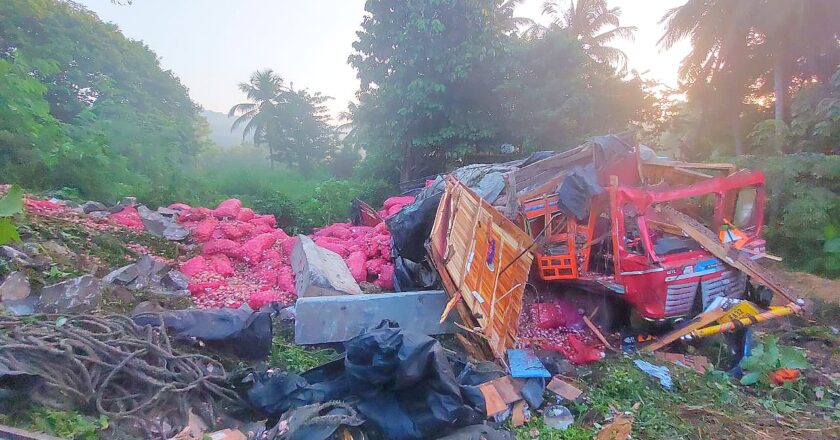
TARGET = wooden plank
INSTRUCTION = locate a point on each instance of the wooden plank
(564, 389)
(517, 416)
(697, 322)
(493, 402)
(727, 253)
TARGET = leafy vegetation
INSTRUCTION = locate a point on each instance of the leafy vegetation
(82, 106)
(767, 357)
(295, 358)
(11, 204)
(803, 209)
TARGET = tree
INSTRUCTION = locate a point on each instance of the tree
(427, 71)
(586, 20)
(107, 119)
(300, 129)
(738, 46)
(264, 91)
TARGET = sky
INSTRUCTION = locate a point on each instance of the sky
(213, 45)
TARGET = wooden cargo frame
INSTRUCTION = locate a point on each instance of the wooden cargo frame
(484, 260)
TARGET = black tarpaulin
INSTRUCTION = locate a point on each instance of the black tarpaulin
(401, 382)
(244, 333)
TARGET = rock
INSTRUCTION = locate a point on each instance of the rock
(122, 276)
(21, 260)
(175, 280)
(125, 201)
(161, 226)
(59, 253)
(31, 250)
(91, 206)
(320, 272)
(78, 295)
(168, 212)
(147, 307)
(22, 307)
(99, 214)
(25, 232)
(15, 287)
(121, 294)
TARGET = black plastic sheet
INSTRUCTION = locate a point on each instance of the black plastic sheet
(577, 190)
(401, 382)
(243, 333)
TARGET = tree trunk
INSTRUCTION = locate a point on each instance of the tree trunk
(271, 156)
(780, 84)
(736, 134)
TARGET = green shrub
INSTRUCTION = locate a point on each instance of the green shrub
(803, 209)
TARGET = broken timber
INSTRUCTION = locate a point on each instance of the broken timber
(727, 253)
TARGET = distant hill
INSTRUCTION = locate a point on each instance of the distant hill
(220, 130)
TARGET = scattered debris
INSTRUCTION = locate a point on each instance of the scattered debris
(558, 417)
(564, 389)
(694, 362)
(525, 364)
(657, 372)
(618, 429)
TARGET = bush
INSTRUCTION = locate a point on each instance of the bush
(803, 209)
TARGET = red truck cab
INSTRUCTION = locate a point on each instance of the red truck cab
(625, 247)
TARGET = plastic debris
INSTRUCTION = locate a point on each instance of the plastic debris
(656, 371)
(558, 417)
(525, 364)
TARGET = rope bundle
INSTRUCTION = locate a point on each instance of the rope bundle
(112, 366)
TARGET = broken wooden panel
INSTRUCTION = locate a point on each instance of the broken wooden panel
(728, 253)
(487, 259)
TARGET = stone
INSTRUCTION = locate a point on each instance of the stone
(20, 259)
(99, 214)
(59, 253)
(168, 212)
(150, 273)
(125, 201)
(31, 250)
(77, 295)
(92, 206)
(326, 319)
(122, 276)
(161, 226)
(175, 280)
(121, 294)
(147, 307)
(15, 287)
(320, 272)
(22, 307)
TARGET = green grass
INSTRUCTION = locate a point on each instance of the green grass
(296, 359)
(64, 424)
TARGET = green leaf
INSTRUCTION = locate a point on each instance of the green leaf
(750, 378)
(12, 202)
(790, 357)
(8, 231)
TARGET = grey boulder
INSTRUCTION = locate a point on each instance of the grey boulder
(77, 295)
(161, 226)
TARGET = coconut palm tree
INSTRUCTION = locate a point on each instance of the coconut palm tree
(587, 20)
(264, 92)
(793, 36)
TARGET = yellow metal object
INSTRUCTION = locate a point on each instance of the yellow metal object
(739, 311)
(745, 321)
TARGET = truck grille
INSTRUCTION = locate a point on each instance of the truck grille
(680, 298)
(731, 284)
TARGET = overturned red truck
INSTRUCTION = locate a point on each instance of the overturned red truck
(627, 236)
